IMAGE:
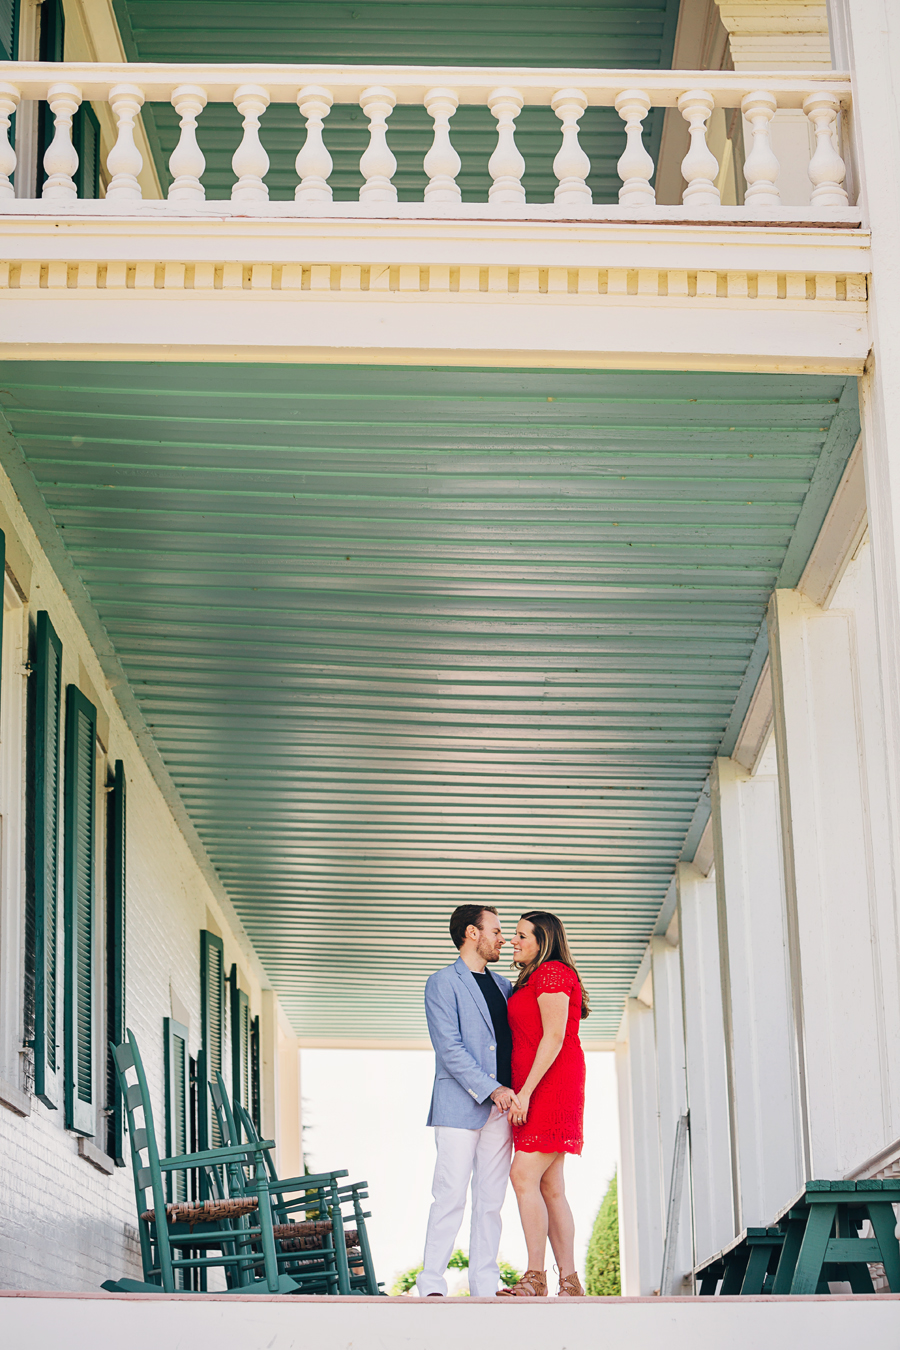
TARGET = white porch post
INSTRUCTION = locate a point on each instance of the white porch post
(640, 1182)
(840, 904)
(704, 1039)
(759, 1029)
(768, 35)
(669, 1027)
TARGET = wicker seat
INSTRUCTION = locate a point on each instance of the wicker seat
(205, 1211)
(308, 1236)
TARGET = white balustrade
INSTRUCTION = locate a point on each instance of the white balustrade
(442, 163)
(313, 164)
(61, 158)
(635, 166)
(699, 167)
(571, 165)
(761, 99)
(761, 165)
(826, 168)
(250, 161)
(378, 164)
(125, 161)
(186, 162)
(506, 165)
(9, 101)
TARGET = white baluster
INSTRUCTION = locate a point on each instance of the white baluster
(9, 101)
(636, 164)
(377, 165)
(506, 165)
(571, 164)
(125, 161)
(250, 161)
(61, 158)
(313, 164)
(761, 166)
(442, 163)
(699, 166)
(186, 162)
(826, 168)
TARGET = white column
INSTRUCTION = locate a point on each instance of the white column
(829, 733)
(776, 35)
(756, 996)
(640, 1182)
(671, 1085)
(866, 40)
(704, 1041)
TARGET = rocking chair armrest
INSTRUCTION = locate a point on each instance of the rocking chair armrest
(306, 1183)
(212, 1156)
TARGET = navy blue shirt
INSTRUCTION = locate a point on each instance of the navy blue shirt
(493, 997)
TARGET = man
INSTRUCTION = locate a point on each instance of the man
(465, 1005)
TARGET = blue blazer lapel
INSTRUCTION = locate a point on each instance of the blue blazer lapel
(470, 984)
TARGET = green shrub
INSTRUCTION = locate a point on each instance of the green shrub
(602, 1264)
(458, 1261)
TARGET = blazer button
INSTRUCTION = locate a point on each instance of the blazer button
(492, 1075)
(492, 1047)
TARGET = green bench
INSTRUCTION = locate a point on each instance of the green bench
(746, 1266)
(814, 1240)
(822, 1242)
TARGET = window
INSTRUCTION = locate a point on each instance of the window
(78, 909)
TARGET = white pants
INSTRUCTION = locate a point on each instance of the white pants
(482, 1156)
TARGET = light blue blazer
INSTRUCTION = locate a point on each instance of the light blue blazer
(465, 1047)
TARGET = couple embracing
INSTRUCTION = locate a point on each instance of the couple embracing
(509, 1075)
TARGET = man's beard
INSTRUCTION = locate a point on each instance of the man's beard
(486, 951)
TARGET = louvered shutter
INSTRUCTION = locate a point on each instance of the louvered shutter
(45, 751)
(8, 30)
(240, 1042)
(212, 1032)
(78, 909)
(115, 955)
(254, 1108)
(177, 1120)
(86, 139)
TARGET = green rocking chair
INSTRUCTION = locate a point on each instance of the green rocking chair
(239, 1230)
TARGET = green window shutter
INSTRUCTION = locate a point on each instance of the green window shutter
(78, 909)
(115, 955)
(177, 1103)
(45, 747)
(9, 30)
(212, 1032)
(255, 1085)
(240, 1043)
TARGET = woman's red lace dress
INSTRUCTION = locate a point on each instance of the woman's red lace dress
(555, 1121)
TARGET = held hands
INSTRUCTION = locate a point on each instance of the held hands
(505, 1098)
(518, 1112)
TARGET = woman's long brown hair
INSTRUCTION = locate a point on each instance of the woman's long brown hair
(553, 945)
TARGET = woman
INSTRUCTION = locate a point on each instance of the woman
(545, 1007)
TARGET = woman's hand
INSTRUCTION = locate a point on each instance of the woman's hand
(519, 1114)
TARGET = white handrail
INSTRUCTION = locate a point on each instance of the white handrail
(314, 89)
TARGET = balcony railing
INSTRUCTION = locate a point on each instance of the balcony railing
(441, 91)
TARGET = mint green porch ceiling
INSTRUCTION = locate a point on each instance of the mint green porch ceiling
(408, 637)
(630, 36)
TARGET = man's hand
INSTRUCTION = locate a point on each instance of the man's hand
(504, 1097)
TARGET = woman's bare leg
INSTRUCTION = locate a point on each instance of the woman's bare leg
(560, 1223)
(525, 1174)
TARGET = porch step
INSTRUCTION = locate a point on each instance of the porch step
(148, 1322)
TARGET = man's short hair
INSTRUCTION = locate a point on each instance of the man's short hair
(463, 916)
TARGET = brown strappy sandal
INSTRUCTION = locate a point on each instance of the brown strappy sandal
(570, 1286)
(533, 1284)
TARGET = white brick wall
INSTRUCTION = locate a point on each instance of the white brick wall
(64, 1224)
